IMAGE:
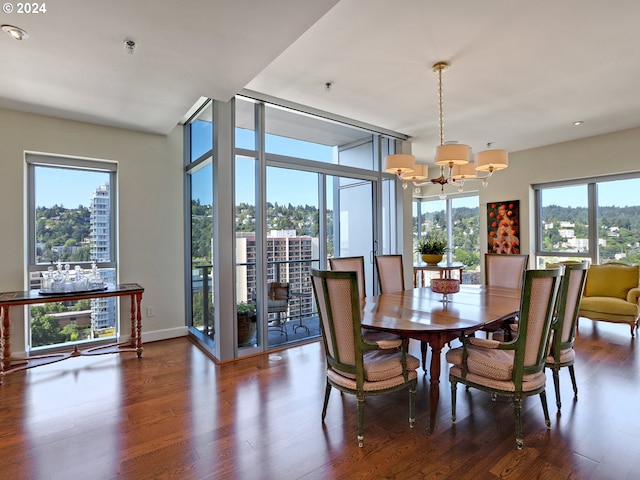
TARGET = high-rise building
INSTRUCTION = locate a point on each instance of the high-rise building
(102, 309)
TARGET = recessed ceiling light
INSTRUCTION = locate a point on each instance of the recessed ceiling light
(15, 32)
(578, 122)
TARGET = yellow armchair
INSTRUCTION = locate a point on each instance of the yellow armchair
(612, 294)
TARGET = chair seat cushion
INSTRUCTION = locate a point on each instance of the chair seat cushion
(566, 356)
(487, 362)
(380, 366)
(607, 305)
(536, 381)
(368, 386)
(273, 305)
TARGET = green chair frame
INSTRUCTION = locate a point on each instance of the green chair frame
(530, 348)
(564, 327)
(337, 299)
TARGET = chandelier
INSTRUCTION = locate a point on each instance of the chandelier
(453, 158)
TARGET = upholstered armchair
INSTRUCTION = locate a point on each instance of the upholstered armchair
(611, 294)
(513, 369)
(354, 365)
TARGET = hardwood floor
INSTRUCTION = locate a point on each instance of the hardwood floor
(175, 414)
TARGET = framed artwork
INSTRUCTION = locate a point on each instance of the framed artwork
(503, 226)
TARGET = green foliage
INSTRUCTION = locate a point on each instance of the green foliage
(45, 330)
(433, 243)
(245, 308)
(62, 233)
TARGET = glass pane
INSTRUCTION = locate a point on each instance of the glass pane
(292, 225)
(73, 222)
(303, 136)
(428, 216)
(352, 207)
(466, 237)
(564, 216)
(246, 278)
(201, 133)
(201, 251)
(618, 221)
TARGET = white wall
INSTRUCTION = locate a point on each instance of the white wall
(150, 190)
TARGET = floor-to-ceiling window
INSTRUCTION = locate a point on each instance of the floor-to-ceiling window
(305, 187)
(596, 219)
(200, 310)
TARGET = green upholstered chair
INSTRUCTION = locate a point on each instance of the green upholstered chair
(356, 264)
(514, 369)
(611, 294)
(353, 365)
(563, 329)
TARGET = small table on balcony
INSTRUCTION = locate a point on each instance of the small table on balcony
(30, 297)
(444, 268)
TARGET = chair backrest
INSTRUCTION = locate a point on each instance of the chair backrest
(278, 297)
(613, 279)
(390, 273)
(505, 270)
(351, 264)
(568, 305)
(338, 305)
(537, 303)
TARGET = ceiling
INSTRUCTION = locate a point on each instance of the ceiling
(521, 72)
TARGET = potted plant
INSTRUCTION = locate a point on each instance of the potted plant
(432, 247)
(246, 314)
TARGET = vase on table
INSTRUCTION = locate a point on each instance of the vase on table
(431, 259)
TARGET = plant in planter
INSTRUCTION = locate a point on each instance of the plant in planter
(246, 314)
(432, 247)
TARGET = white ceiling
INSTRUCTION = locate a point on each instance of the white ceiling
(521, 72)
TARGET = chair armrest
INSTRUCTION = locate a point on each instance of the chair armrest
(633, 295)
(484, 342)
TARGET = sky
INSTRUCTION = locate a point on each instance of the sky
(66, 187)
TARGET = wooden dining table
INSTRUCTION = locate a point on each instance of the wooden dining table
(423, 315)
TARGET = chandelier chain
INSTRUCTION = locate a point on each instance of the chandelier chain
(440, 105)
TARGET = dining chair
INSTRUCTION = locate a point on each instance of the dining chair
(355, 366)
(356, 264)
(514, 369)
(391, 280)
(504, 270)
(390, 273)
(561, 352)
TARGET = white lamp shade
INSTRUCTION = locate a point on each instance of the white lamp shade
(452, 154)
(491, 160)
(461, 172)
(420, 173)
(400, 163)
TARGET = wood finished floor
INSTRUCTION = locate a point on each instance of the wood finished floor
(174, 414)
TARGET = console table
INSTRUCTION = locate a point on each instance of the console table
(443, 268)
(30, 297)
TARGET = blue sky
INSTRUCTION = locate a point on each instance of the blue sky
(66, 187)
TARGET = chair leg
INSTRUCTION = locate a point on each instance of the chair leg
(556, 383)
(412, 404)
(327, 392)
(545, 409)
(454, 384)
(360, 398)
(517, 413)
(572, 373)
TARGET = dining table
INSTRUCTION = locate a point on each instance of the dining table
(424, 315)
